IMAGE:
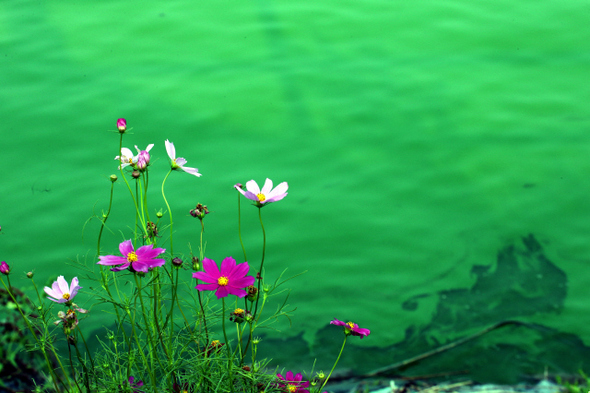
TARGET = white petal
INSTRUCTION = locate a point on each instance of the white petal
(267, 187)
(170, 150)
(252, 186)
(63, 285)
(280, 189)
(192, 171)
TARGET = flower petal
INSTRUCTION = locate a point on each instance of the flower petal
(227, 266)
(74, 287)
(207, 287)
(192, 171)
(63, 285)
(235, 291)
(180, 161)
(170, 150)
(205, 277)
(239, 271)
(337, 323)
(111, 260)
(242, 282)
(126, 247)
(252, 186)
(222, 291)
(211, 268)
(267, 187)
(119, 268)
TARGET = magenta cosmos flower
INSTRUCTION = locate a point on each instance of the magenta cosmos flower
(60, 292)
(293, 383)
(178, 163)
(230, 280)
(139, 260)
(351, 328)
(266, 195)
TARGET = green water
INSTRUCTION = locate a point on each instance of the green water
(418, 139)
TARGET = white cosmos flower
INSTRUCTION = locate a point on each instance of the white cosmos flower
(178, 163)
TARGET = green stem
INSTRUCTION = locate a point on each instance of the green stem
(262, 260)
(240, 225)
(335, 363)
(229, 351)
(169, 213)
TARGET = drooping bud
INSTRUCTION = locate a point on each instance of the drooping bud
(252, 293)
(121, 125)
(199, 211)
(177, 262)
(4, 268)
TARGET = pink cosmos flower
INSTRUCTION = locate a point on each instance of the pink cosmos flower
(121, 125)
(60, 292)
(178, 163)
(351, 328)
(4, 268)
(139, 260)
(293, 383)
(230, 280)
(127, 158)
(266, 195)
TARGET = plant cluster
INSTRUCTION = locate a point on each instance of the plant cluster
(171, 329)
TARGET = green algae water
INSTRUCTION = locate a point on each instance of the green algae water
(436, 154)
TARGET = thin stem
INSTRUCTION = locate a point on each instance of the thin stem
(240, 226)
(335, 363)
(169, 213)
(262, 260)
(229, 351)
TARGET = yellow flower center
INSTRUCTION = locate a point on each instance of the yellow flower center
(238, 311)
(261, 197)
(66, 296)
(223, 281)
(350, 324)
(292, 388)
(132, 257)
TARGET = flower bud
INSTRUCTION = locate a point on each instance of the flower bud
(30, 274)
(143, 160)
(121, 125)
(135, 174)
(252, 293)
(177, 262)
(199, 211)
(237, 316)
(159, 214)
(4, 268)
(113, 178)
(196, 264)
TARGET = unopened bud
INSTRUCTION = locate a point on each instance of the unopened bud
(30, 275)
(121, 125)
(159, 214)
(135, 174)
(113, 178)
(196, 264)
(4, 268)
(177, 262)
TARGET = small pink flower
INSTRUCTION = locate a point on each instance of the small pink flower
(293, 383)
(266, 195)
(230, 280)
(351, 328)
(60, 292)
(4, 268)
(143, 157)
(121, 125)
(178, 163)
(139, 260)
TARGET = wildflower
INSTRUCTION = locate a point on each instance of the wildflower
(4, 268)
(293, 383)
(199, 211)
(139, 260)
(134, 385)
(60, 292)
(126, 158)
(230, 280)
(143, 157)
(178, 163)
(351, 328)
(266, 195)
(121, 125)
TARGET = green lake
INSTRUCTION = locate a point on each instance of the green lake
(437, 155)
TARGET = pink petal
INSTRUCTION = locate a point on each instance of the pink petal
(239, 271)
(222, 292)
(227, 266)
(74, 287)
(63, 285)
(111, 260)
(207, 287)
(243, 282)
(252, 196)
(126, 247)
(140, 266)
(235, 291)
(338, 323)
(119, 268)
(289, 376)
(52, 293)
(205, 277)
(211, 268)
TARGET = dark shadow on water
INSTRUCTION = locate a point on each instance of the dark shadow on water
(522, 283)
